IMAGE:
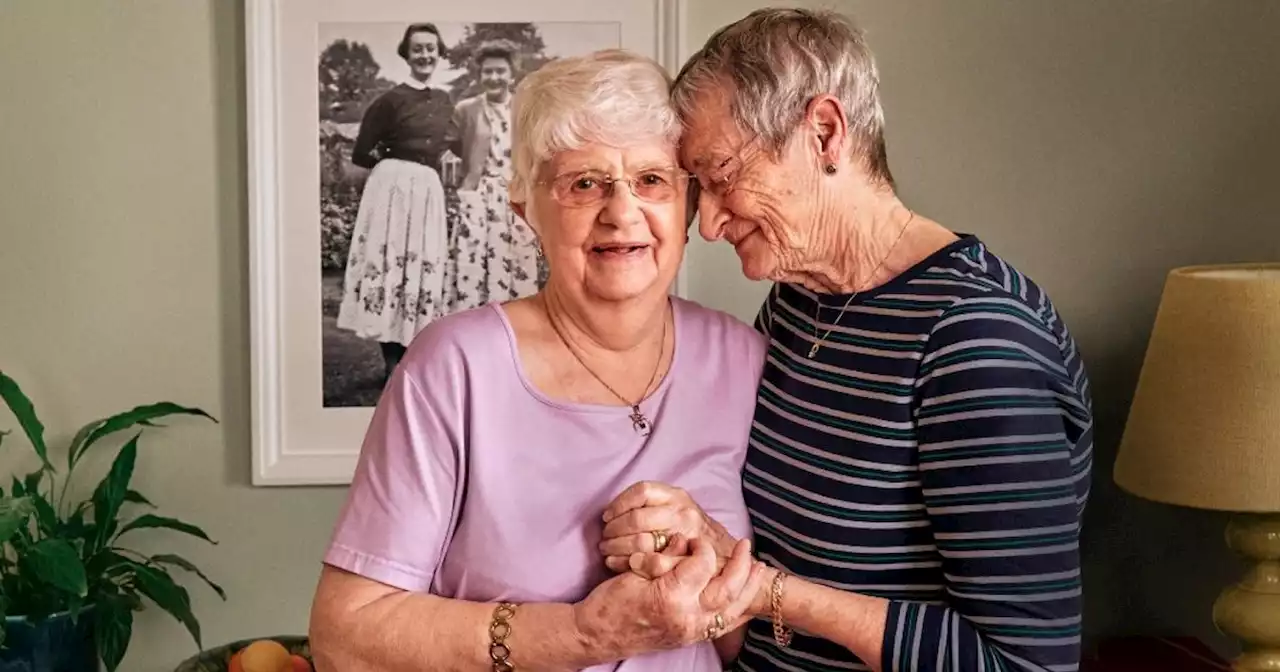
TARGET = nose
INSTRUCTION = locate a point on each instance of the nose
(712, 216)
(622, 208)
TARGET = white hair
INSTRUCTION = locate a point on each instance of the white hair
(774, 61)
(612, 97)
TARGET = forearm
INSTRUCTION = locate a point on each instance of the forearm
(852, 620)
(412, 632)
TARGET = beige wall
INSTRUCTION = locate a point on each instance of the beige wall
(1094, 143)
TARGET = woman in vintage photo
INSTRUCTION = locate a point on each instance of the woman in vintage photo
(496, 255)
(394, 281)
(470, 535)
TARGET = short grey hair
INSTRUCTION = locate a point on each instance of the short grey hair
(774, 61)
(612, 96)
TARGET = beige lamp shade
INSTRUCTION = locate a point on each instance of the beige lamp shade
(1204, 428)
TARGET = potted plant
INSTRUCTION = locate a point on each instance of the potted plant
(69, 584)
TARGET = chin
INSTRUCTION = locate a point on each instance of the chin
(623, 288)
(754, 268)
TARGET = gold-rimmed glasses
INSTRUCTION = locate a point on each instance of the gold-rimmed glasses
(719, 179)
(588, 188)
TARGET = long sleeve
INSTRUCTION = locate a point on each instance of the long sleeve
(1003, 438)
(374, 127)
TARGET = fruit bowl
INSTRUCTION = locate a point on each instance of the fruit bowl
(218, 659)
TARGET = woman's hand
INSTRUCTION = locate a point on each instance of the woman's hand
(648, 512)
(689, 602)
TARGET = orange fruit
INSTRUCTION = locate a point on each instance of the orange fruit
(300, 664)
(234, 664)
(266, 655)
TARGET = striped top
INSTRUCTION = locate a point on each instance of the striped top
(936, 452)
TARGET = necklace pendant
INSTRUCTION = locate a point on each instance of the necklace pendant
(639, 422)
(814, 350)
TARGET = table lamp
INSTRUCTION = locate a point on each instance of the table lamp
(1204, 431)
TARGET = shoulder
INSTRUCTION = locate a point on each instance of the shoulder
(468, 104)
(991, 314)
(717, 334)
(456, 347)
(977, 292)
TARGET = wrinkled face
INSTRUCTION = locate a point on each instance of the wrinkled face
(604, 241)
(762, 205)
(495, 75)
(424, 54)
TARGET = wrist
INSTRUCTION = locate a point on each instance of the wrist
(761, 606)
(590, 642)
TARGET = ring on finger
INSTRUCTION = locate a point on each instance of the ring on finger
(660, 540)
(716, 627)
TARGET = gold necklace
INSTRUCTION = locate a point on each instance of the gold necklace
(639, 422)
(817, 317)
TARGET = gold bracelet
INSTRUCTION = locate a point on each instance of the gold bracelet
(781, 633)
(499, 630)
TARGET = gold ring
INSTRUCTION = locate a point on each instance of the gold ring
(660, 540)
(716, 627)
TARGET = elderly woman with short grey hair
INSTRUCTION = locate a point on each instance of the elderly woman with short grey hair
(470, 536)
(920, 455)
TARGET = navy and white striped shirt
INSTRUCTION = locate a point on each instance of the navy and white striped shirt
(936, 452)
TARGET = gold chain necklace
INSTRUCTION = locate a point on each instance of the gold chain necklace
(817, 317)
(639, 422)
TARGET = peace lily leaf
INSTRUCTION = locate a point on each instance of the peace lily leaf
(14, 512)
(135, 497)
(23, 410)
(112, 628)
(179, 561)
(141, 415)
(110, 493)
(56, 562)
(159, 586)
(148, 520)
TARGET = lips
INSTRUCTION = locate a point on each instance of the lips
(619, 249)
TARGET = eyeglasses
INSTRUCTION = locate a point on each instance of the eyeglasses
(718, 181)
(591, 188)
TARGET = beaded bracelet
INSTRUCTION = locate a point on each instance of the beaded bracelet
(499, 630)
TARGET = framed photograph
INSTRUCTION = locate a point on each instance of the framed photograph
(379, 150)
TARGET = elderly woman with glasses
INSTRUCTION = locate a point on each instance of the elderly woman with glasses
(469, 539)
(920, 455)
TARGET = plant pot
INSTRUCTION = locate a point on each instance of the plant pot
(55, 644)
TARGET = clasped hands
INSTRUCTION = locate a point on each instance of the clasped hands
(681, 577)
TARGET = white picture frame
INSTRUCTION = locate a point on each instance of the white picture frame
(296, 438)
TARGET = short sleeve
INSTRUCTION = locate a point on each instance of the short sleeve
(401, 507)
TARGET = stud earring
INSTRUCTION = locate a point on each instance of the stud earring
(830, 168)
(537, 248)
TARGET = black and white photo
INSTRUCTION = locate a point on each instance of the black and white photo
(379, 136)
(415, 148)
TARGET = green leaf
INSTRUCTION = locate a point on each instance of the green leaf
(46, 517)
(179, 561)
(109, 494)
(14, 512)
(25, 412)
(55, 562)
(134, 497)
(148, 520)
(140, 415)
(112, 628)
(156, 584)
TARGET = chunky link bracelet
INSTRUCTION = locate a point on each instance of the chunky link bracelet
(781, 633)
(499, 630)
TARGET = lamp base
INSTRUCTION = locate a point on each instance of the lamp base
(1250, 610)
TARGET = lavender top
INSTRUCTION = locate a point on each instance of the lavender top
(474, 485)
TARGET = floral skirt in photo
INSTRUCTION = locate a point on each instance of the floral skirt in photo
(495, 253)
(394, 284)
